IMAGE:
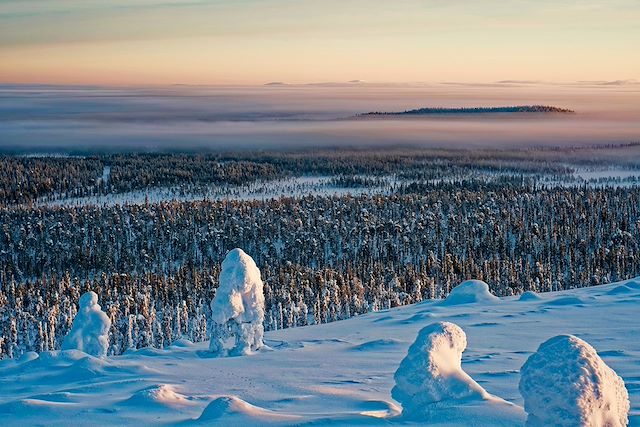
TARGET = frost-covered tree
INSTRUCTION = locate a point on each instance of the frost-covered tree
(565, 383)
(431, 372)
(431, 384)
(238, 307)
(90, 330)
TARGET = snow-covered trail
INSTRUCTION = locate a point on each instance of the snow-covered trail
(339, 373)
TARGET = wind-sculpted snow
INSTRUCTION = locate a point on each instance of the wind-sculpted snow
(339, 373)
(430, 377)
(566, 384)
(238, 307)
(470, 291)
(235, 411)
(432, 372)
(90, 330)
(529, 296)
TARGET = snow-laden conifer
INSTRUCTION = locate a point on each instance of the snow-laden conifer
(238, 307)
(90, 330)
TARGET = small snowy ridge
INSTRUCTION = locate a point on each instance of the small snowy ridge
(529, 296)
(339, 373)
(159, 397)
(235, 411)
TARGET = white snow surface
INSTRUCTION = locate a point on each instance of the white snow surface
(260, 190)
(238, 306)
(90, 330)
(565, 383)
(340, 373)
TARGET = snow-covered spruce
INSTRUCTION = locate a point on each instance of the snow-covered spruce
(431, 372)
(565, 383)
(470, 291)
(90, 330)
(238, 307)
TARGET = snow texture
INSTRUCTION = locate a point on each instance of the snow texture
(238, 307)
(338, 373)
(470, 291)
(432, 372)
(565, 383)
(90, 330)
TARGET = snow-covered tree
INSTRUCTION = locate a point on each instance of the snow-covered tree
(90, 330)
(238, 307)
(431, 372)
(565, 383)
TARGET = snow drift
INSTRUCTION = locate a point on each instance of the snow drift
(566, 383)
(432, 373)
(231, 410)
(238, 306)
(158, 397)
(90, 330)
(529, 296)
(470, 291)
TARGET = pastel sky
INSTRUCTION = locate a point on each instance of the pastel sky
(297, 41)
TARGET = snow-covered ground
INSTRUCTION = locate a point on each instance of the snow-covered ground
(603, 173)
(260, 190)
(607, 176)
(340, 373)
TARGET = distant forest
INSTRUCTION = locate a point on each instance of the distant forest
(25, 180)
(450, 216)
(472, 110)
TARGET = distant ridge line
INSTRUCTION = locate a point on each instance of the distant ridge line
(472, 110)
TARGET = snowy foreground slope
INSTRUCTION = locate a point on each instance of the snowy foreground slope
(340, 373)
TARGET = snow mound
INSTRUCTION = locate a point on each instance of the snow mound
(90, 330)
(470, 291)
(431, 372)
(226, 408)
(27, 357)
(529, 296)
(182, 343)
(562, 301)
(158, 396)
(238, 306)
(566, 383)
(620, 290)
(226, 404)
(72, 358)
(380, 344)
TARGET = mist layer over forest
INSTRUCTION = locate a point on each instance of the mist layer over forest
(80, 119)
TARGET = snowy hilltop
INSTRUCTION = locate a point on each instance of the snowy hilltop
(566, 358)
